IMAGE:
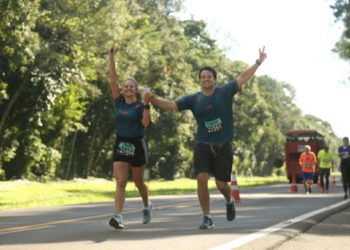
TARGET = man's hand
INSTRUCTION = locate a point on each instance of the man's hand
(262, 55)
(147, 96)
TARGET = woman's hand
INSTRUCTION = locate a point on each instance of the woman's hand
(112, 52)
(147, 95)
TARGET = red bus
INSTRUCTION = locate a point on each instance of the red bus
(295, 144)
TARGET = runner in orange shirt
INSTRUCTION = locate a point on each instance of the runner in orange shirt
(307, 161)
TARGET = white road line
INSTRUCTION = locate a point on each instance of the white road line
(251, 237)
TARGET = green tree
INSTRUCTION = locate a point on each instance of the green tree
(341, 10)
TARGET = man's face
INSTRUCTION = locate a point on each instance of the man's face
(207, 79)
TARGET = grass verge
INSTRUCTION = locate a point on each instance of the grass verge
(27, 194)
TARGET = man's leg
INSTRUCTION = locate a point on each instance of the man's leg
(225, 189)
(322, 174)
(345, 181)
(203, 192)
(327, 179)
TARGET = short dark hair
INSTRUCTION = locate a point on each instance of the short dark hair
(213, 71)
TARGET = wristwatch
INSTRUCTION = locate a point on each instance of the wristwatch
(258, 62)
(146, 106)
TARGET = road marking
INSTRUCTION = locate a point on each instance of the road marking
(38, 226)
(251, 237)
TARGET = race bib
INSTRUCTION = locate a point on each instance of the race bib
(126, 148)
(308, 165)
(214, 125)
(326, 160)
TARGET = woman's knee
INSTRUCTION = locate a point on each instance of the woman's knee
(121, 183)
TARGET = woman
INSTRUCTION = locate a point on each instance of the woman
(132, 117)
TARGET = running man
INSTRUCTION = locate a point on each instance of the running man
(307, 161)
(326, 162)
(132, 116)
(344, 153)
(212, 109)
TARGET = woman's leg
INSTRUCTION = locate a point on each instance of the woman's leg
(120, 171)
(137, 176)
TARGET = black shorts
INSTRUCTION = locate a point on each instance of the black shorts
(345, 170)
(216, 159)
(325, 171)
(131, 150)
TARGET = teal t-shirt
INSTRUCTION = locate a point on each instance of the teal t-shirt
(213, 113)
(128, 118)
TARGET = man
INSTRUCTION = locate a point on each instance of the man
(326, 162)
(212, 109)
(307, 161)
(344, 153)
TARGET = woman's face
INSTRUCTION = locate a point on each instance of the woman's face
(129, 88)
(207, 79)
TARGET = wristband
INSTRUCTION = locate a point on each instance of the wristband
(146, 106)
(258, 62)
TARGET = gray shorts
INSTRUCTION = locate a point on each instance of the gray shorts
(215, 159)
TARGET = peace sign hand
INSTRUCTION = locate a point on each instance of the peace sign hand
(262, 55)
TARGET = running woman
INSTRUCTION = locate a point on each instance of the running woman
(132, 117)
(212, 109)
(344, 153)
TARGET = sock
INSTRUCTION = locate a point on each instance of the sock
(149, 204)
(231, 201)
(208, 215)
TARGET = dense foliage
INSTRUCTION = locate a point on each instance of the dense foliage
(341, 10)
(56, 110)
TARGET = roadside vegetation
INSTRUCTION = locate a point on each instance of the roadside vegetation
(27, 194)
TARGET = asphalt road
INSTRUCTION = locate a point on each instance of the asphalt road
(266, 218)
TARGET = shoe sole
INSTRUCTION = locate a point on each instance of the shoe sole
(205, 227)
(231, 219)
(115, 224)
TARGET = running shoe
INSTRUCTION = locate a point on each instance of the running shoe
(147, 214)
(207, 223)
(230, 211)
(310, 190)
(345, 196)
(117, 222)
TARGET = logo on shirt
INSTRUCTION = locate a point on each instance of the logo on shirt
(197, 98)
(208, 106)
(123, 112)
